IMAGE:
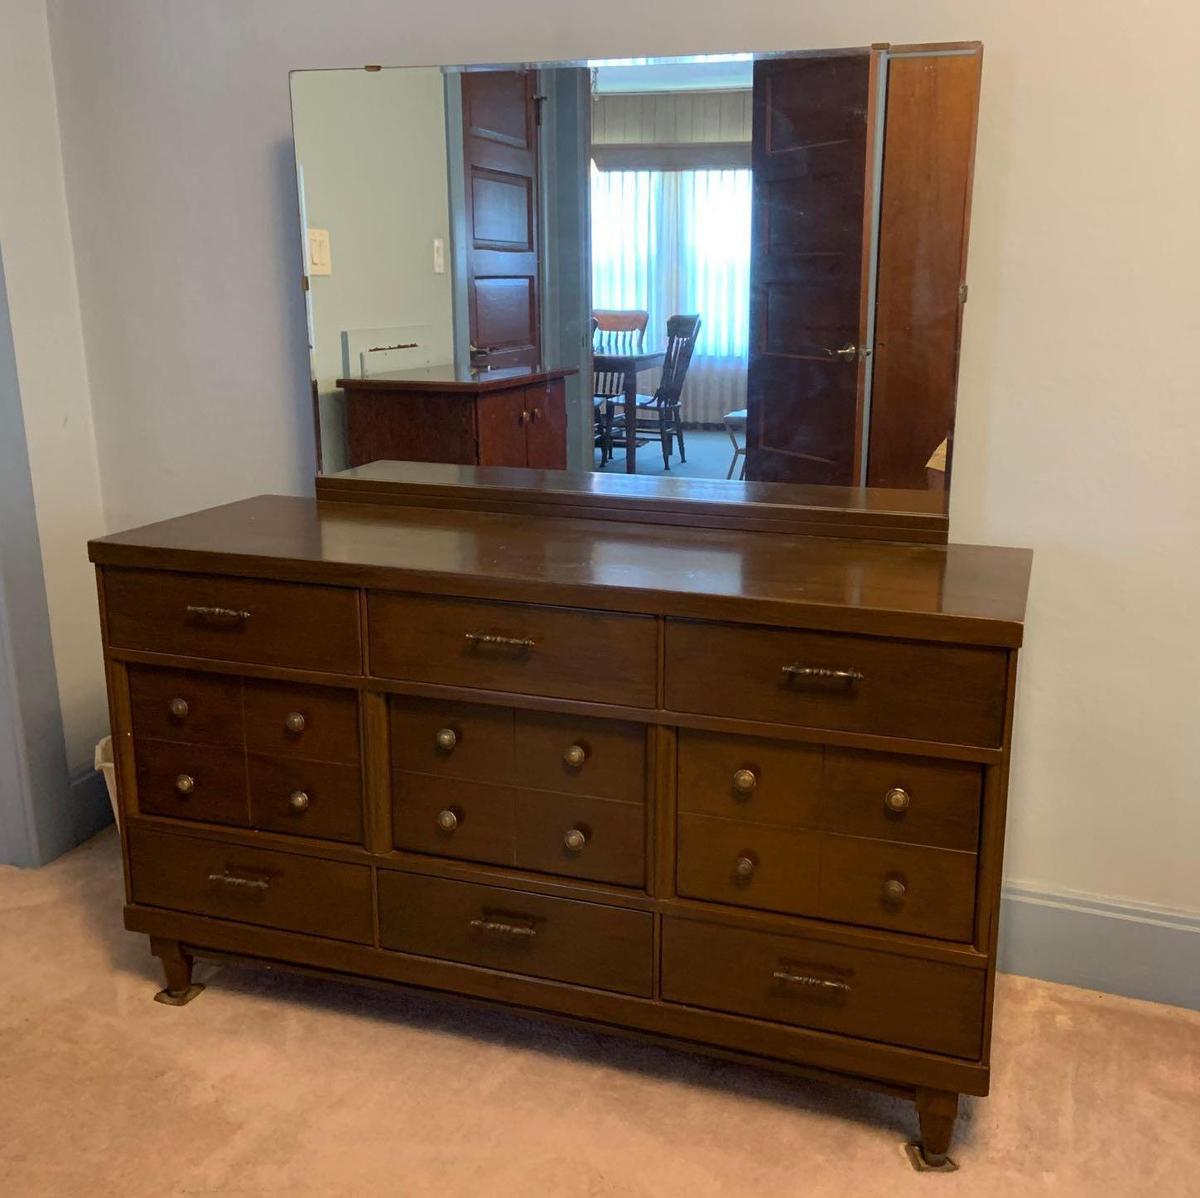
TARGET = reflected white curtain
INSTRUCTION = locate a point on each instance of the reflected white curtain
(679, 242)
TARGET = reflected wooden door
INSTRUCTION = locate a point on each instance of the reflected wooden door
(500, 148)
(811, 146)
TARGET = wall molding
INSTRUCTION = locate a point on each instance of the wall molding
(1133, 949)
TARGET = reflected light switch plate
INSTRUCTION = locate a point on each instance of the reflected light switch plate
(439, 256)
(319, 260)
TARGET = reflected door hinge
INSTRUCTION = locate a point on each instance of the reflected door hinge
(962, 293)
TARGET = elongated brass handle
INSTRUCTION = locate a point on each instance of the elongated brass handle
(807, 979)
(894, 890)
(185, 784)
(488, 638)
(295, 721)
(299, 800)
(744, 781)
(445, 739)
(178, 707)
(798, 671)
(228, 879)
(500, 927)
(228, 616)
(575, 756)
(897, 799)
(847, 353)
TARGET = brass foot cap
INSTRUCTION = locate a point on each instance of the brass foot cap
(179, 998)
(933, 1163)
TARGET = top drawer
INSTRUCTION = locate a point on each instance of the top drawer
(524, 649)
(949, 693)
(234, 619)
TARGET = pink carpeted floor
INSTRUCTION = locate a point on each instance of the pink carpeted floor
(275, 1084)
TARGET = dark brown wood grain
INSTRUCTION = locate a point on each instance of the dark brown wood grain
(614, 837)
(482, 739)
(332, 797)
(328, 719)
(207, 709)
(613, 755)
(193, 782)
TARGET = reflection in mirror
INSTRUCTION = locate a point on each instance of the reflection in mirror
(740, 267)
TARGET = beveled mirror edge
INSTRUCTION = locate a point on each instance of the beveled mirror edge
(913, 517)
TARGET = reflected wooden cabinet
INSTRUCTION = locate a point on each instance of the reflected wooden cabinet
(760, 820)
(511, 417)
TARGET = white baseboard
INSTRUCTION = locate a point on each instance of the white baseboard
(1132, 949)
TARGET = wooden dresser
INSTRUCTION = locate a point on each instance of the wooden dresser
(736, 791)
(509, 417)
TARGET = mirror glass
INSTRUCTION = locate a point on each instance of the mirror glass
(743, 267)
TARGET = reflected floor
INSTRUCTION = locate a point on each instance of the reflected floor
(708, 456)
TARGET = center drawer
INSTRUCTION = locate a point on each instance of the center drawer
(833, 987)
(607, 948)
(523, 649)
(949, 693)
(251, 885)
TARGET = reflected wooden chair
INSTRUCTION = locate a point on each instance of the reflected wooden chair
(614, 331)
(659, 416)
(735, 422)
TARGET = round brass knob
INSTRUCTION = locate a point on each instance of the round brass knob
(446, 739)
(185, 784)
(744, 781)
(574, 840)
(744, 867)
(298, 800)
(295, 722)
(575, 756)
(894, 890)
(178, 707)
(897, 799)
(447, 820)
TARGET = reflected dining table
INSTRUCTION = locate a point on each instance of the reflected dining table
(629, 366)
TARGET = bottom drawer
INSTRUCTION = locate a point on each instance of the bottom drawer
(591, 945)
(251, 885)
(832, 987)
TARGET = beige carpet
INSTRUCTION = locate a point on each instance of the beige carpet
(272, 1084)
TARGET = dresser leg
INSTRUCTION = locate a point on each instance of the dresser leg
(937, 1110)
(177, 968)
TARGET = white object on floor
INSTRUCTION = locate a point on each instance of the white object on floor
(107, 766)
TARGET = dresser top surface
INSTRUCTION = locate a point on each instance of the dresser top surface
(968, 594)
(453, 378)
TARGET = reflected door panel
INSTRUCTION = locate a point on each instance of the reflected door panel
(809, 151)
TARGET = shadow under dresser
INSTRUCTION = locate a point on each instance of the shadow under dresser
(734, 791)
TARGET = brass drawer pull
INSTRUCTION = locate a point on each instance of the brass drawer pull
(575, 756)
(226, 616)
(807, 979)
(744, 867)
(294, 721)
(894, 890)
(299, 800)
(178, 707)
(445, 739)
(575, 840)
(897, 799)
(447, 820)
(229, 879)
(503, 929)
(185, 784)
(744, 781)
(796, 671)
(488, 638)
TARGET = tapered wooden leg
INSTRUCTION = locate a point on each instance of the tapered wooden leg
(177, 968)
(937, 1111)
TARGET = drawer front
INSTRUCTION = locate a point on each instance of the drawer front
(251, 885)
(560, 652)
(598, 839)
(747, 778)
(451, 818)
(949, 693)
(306, 798)
(567, 941)
(452, 740)
(316, 722)
(749, 865)
(831, 987)
(200, 782)
(909, 799)
(929, 892)
(177, 705)
(575, 755)
(234, 619)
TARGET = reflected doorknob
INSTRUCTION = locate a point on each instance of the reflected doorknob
(847, 353)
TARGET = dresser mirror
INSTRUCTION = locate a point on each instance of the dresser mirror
(740, 268)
